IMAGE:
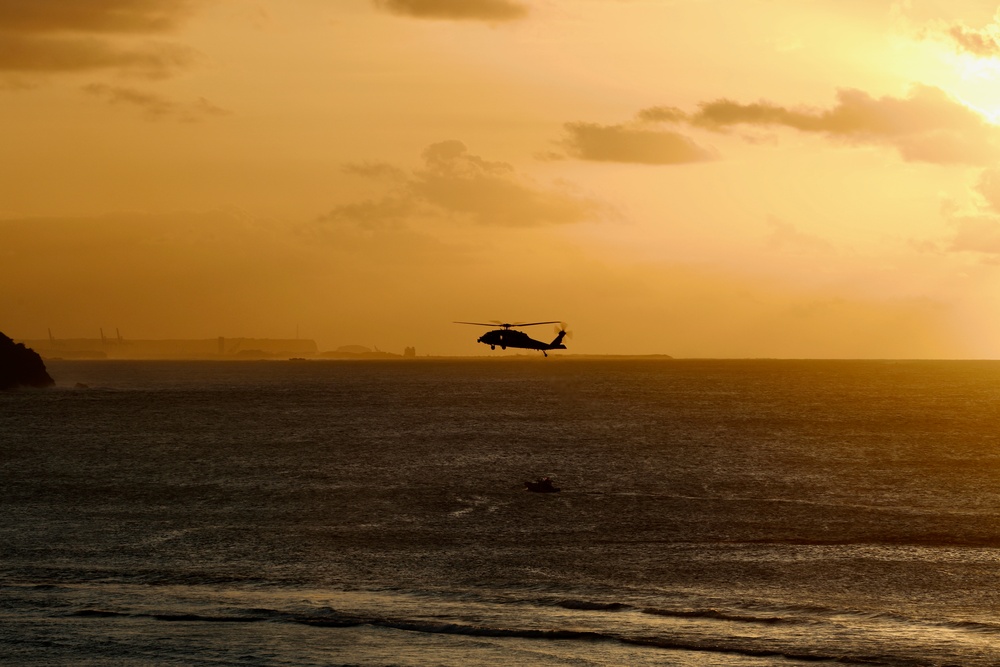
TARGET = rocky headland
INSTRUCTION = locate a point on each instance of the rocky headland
(21, 366)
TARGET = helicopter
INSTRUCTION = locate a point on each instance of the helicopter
(506, 337)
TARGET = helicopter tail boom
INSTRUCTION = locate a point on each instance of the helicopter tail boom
(557, 343)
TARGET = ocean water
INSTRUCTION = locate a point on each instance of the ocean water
(732, 513)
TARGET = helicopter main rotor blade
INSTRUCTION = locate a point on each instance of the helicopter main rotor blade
(507, 325)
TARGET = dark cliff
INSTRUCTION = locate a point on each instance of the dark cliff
(21, 366)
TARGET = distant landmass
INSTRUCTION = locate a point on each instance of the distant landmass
(251, 348)
(362, 352)
(20, 366)
(207, 348)
(117, 347)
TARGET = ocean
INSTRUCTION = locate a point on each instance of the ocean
(711, 512)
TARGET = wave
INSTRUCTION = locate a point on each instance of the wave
(103, 613)
(768, 653)
(336, 620)
(206, 619)
(721, 616)
(930, 539)
(98, 613)
(771, 614)
(715, 614)
(953, 624)
(583, 605)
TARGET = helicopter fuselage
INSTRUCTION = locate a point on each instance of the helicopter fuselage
(505, 338)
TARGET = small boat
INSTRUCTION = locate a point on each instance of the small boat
(541, 485)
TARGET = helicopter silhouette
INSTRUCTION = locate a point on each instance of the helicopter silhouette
(506, 337)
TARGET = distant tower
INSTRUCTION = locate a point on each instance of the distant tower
(410, 352)
(222, 346)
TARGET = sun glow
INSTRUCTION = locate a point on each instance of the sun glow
(977, 85)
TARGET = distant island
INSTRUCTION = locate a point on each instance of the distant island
(107, 347)
(221, 348)
(362, 352)
(247, 349)
(20, 366)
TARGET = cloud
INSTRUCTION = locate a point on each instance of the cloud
(989, 188)
(976, 233)
(155, 107)
(977, 226)
(45, 54)
(662, 115)
(92, 15)
(856, 114)
(61, 36)
(620, 143)
(787, 237)
(983, 43)
(926, 126)
(458, 185)
(376, 170)
(476, 10)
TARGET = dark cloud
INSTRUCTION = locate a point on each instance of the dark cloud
(61, 36)
(620, 143)
(144, 16)
(856, 114)
(153, 106)
(476, 10)
(456, 184)
(662, 115)
(78, 54)
(926, 126)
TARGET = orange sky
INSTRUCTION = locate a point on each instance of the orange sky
(768, 178)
